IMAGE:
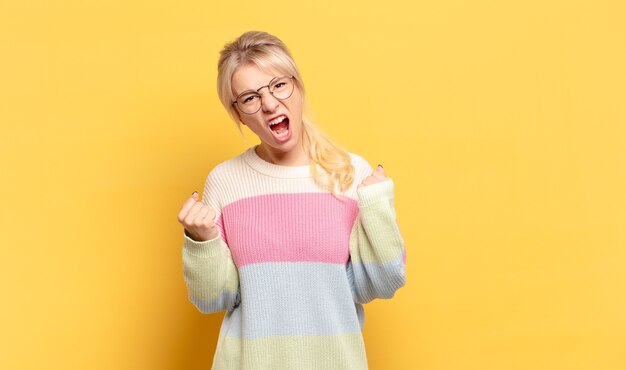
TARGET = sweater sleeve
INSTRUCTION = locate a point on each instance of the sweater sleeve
(376, 268)
(210, 274)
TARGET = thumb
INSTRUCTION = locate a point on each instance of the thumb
(381, 170)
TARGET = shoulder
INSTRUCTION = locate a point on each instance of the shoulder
(221, 181)
(362, 168)
(358, 161)
(224, 177)
(227, 169)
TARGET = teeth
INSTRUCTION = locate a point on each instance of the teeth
(277, 120)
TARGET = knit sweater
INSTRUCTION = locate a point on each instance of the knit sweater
(293, 265)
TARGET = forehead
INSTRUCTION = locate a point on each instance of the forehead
(251, 77)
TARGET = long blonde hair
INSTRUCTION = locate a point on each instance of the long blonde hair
(331, 166)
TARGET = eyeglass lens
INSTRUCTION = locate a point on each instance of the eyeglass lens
(281, 88)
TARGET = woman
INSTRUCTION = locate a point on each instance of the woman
(292, 236)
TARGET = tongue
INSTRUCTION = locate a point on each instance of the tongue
(281, 126)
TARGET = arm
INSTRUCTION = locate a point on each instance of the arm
(377, 254)
(210, 274)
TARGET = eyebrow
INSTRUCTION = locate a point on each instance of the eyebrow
(257, 90)
(247, 91)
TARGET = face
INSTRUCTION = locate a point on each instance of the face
(278, 139)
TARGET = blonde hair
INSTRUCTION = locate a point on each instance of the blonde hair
(331, 165)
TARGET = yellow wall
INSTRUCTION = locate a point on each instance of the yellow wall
(502, 124)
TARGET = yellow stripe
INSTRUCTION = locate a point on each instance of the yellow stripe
(338, 352)
(387, 244)
(208, 277)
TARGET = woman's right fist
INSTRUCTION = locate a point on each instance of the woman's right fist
(198, 219)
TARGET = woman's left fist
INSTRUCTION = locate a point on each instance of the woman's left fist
(377, 176)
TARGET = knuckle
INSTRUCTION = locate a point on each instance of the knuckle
(189, 221)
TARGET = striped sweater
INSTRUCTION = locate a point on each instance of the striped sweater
(293, 265)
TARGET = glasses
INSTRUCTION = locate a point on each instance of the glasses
(249, 102)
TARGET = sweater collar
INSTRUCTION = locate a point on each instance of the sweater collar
(274, 170)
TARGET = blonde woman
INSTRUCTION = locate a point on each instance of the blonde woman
(292, 236)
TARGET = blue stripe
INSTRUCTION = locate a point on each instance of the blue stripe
(293, 299)
(376, 280)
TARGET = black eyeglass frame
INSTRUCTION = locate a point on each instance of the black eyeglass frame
(234, 103)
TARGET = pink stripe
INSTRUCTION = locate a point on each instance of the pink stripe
(312, 227)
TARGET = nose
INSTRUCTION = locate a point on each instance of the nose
(268, 102)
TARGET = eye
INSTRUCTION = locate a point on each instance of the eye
(248, 99)
(279, 85)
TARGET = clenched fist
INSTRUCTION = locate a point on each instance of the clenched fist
(198, 219)
(377, 176)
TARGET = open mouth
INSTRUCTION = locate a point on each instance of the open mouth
(280, 126)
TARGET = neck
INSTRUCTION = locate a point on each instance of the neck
(296, 157)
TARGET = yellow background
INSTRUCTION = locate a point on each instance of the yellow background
(501, 122)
